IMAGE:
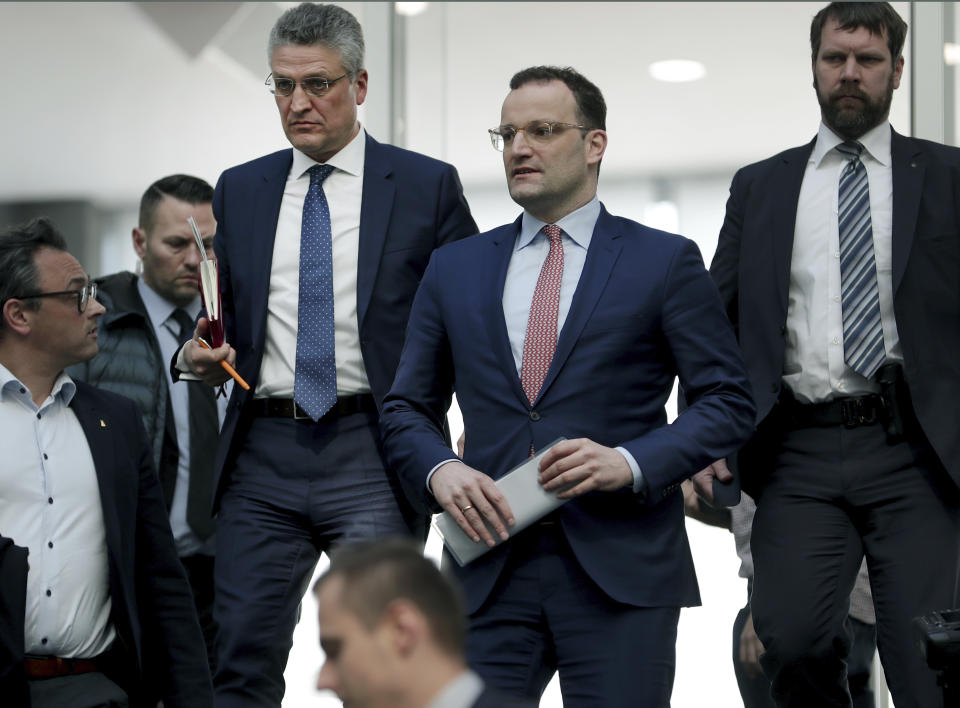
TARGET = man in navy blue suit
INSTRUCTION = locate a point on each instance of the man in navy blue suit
(838, 263)
(320, 249)
(569, 322)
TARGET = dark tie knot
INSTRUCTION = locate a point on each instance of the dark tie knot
(184, 320)
(318, 173)
(850, 149)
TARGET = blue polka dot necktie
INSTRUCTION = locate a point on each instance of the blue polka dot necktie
(862, 328)
(315, 379)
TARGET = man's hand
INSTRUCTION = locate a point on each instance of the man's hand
(703, 480)
(750, 648)
(585, 464)
(460, 443)
(471, 496)
(205, 363)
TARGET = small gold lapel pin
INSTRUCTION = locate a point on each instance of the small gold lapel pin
(102, 423)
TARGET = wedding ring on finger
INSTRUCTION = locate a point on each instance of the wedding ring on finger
(465, 509)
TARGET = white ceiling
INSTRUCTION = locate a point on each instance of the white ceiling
(102, 98)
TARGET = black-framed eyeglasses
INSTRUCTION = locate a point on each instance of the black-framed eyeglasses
(84, 295)
(314, 85)
(537, 131)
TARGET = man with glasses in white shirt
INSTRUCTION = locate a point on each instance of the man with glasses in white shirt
(108, 618)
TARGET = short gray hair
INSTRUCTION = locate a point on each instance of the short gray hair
(308, 24)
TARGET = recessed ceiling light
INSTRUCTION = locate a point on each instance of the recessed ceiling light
(409, 9)
(677, 70)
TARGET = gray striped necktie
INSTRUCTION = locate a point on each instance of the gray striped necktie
(862, 330)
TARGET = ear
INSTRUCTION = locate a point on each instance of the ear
(139, 241)
(407, 626)
(897, 71)
(16, 317)
(596, 146)
(360, 84)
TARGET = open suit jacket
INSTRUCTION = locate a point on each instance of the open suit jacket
(644, 311)
(752, 271)
(410, 205)
(159, 650)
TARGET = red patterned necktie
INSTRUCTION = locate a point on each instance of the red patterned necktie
(541, 339)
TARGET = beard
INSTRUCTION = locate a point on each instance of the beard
(851, 123)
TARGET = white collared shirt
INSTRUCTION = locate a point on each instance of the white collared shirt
(344, 192)
(462, 692)
(167, 330)
(50, 503)
(814, 367)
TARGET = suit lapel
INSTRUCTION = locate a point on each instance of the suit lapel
(97, 428)
(908, 175)
(375, 209)
(786, 181)
(503, 244)
(601, 256)
(266, 214)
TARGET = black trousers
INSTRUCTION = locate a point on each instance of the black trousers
(200, 576)
(755, 690)
(835, 494)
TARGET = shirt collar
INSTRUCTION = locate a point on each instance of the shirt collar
(876, 143)
(348, 159)
(159, 308)
(578, 225)
(462, 691)
(63, 388)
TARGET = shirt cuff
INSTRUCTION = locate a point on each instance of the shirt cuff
(438, 466)
(185, 373)
(639, 483)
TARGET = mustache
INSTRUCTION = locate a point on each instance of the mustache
(849, 92)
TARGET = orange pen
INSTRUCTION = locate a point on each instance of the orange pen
(226, 367)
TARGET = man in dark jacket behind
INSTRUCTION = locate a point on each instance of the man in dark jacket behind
(140, 330)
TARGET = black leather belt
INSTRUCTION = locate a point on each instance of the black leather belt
(850, 412)
(286, 408)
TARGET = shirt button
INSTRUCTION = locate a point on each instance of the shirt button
(49, 544)
(45, 456)
(836, 298)
(38, 416)
(836, 254)
(836, 340)
(49, 500)
(49, 593)
(43, 641)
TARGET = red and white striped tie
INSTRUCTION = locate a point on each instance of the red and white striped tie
(541, 338)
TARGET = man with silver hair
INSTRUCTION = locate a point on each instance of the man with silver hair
(320, 250)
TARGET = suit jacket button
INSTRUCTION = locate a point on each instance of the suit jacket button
(534, 416)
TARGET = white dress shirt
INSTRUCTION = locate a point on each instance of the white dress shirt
(344, 192)
(814, 367)
(50, 503)
(462, 692)
(167, 329)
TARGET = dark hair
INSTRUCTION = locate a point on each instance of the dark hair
(591, 108)
(18, 251)
(185, 188)
(332, 26)
(879, 18)
(376, 573)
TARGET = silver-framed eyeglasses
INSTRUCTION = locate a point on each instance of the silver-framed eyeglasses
(537, 132)
(84, 295)
(313, 85)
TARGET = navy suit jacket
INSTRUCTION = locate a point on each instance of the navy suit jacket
(410, 205)
(152, 608)
(752, 271)
(643, 313)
